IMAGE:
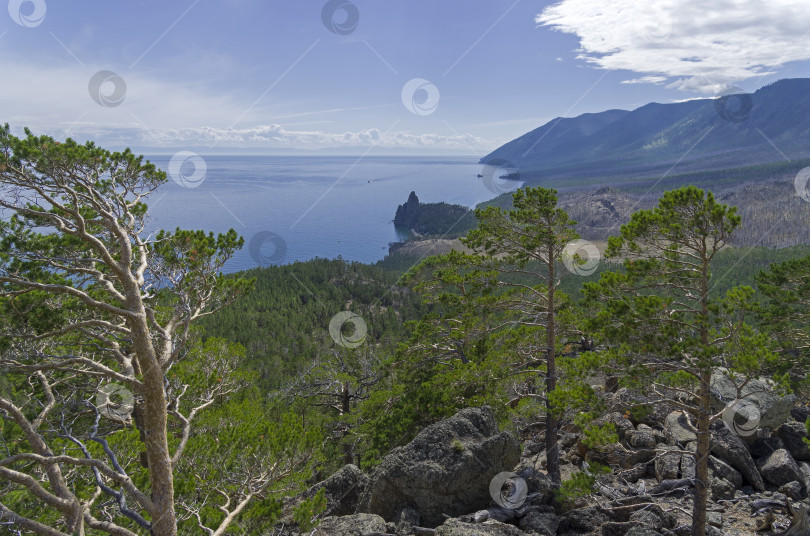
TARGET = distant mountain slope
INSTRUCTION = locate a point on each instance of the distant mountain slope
(696, 135)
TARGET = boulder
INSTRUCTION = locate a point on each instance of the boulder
(588, 519)
(643, 438)
(542, 524)
(616, 455)
(792, 435)
(779, 468)
(680, 428)
(342, 491)
(619, 528)
(721, 469)
(804, 467)
(774, 409)
(722, 489)
(446, 469)
(667, 466)
(763, 446)
(792, 490)
(455, 527)
(728, 446)
(642, 531)
(353, 524)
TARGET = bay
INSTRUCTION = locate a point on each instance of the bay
(295, 208)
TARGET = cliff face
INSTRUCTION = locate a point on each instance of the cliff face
(408, 213)
(436, 219)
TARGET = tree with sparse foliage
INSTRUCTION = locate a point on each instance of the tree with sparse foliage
(96, 311)
(512, 279)
(666, 335)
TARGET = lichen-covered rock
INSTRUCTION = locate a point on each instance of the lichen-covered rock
(540, 523)
(779, 468)
(792, 435)
(588, 519)
(342, 491)
(446, 469)
(455, 527)
(667, 466)
(353, 524)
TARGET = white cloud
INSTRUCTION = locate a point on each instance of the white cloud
(694, 44)
(55, 100)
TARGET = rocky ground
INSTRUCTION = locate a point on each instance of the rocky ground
(447, 480)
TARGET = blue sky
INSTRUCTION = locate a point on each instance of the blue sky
(269, 76)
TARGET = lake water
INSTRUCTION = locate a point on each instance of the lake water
(299, 208)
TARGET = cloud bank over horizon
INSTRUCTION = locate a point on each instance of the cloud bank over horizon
(683, 43)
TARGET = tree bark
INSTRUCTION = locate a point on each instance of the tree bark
(552, 449)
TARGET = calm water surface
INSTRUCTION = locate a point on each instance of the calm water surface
(299, 208)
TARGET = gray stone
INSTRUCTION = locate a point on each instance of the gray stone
(543, 524)
(619, 528)
(792, 490)
(616, 455)
(764, 446)
(728, 446)
(455, 527)
(667, 466)
(792, 435)
(774, 409)
(642, 531)
(722, 489)
(714, 519)
(688, 463)
(350, 525)
(436, 477)
(642, 439)
(779, 468)
(407, 519)
(679, 426)
(342, 491)
(723, 470)
(648, 518)
(588, 519)
(804, 467)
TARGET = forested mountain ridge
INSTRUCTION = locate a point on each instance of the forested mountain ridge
(733, 131)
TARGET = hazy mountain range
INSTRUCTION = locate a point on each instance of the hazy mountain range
(735, 130)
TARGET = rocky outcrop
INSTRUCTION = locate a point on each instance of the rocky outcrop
(728, 446)
(446, 469)
(773, 408)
